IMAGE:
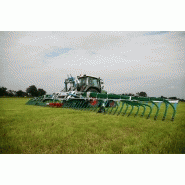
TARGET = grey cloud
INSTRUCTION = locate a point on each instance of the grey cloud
(127, 61)
(155, 33)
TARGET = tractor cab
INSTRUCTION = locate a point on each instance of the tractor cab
(83, 84)
(89, 84)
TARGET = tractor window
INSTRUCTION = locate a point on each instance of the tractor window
(93, 82)
(82, 81)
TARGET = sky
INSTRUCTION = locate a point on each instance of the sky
(128, 62)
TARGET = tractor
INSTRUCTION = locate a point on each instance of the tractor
(86, 94)
(83, 84)
(74, 89)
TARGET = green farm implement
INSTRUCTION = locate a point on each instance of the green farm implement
(86, 96)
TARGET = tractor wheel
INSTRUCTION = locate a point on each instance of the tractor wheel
(92, 90)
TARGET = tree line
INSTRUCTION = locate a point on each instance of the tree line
(30, 91)
(144, 94)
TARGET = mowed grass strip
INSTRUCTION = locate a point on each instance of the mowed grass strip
(44, 130)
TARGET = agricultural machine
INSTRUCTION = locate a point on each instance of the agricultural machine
(86, 94)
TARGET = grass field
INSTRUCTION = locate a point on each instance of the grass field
(42, 130)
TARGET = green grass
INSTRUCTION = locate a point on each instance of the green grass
(33, 129)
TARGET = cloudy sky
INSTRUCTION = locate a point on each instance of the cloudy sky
(153, 62)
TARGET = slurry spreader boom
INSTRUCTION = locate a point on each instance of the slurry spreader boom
(86, 95)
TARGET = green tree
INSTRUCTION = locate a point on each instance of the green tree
(20, 93)
(41, 92)
(32, 90)
(173, 98)
(11, 93)
(141, 94)
(164, 97)
(3, 91)
(128, 94)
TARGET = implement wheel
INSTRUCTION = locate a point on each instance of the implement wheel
(93, 102)
(112, 103)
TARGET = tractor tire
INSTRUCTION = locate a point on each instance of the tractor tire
(93, 90)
